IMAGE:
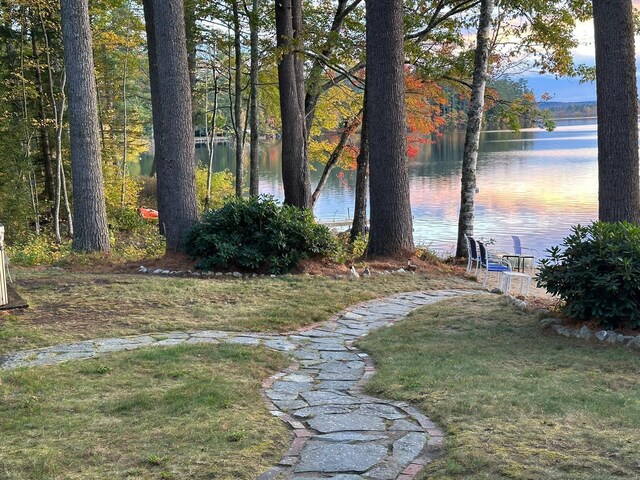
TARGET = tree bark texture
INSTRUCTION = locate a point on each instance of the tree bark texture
(191, 33)
(175, 169)
(296, 177)
(474, 125)
(617, 94)
(391, 222)
(254, 160)
(237, 105)
(359, 226)
(90, 216)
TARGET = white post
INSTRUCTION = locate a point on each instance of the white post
(4, 297)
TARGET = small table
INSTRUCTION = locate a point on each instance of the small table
(520, 259)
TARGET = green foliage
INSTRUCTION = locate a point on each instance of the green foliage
(37, 250)
(345, 251)
(257, 233)
(222, 187)
(596, 271)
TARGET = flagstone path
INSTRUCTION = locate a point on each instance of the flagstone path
(339, 432)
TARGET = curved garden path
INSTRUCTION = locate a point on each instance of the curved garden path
(338, 432)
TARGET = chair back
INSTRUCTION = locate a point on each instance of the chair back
(483, 253)
(517, 246)
(472, 251)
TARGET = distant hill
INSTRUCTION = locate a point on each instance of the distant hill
(570, 109)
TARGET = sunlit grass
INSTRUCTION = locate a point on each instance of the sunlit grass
(515, 401)
(186, 412)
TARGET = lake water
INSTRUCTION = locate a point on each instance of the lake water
(532, 183)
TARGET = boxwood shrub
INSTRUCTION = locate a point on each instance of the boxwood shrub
(596, 271)
(257, 234)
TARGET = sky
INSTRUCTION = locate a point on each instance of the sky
(570, 89)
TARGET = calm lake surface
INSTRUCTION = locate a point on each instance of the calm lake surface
(532, 183)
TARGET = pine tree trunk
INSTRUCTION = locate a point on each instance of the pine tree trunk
(618, 176)
(359, 226)
(474, 125)
(295, 168)
(191, 34)
(391, 223)
(237, 106)
(90, 216)
(177, 203)
(254, 161)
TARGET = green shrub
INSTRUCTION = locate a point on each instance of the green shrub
(596, 271)
(345, 251)
(257, 234)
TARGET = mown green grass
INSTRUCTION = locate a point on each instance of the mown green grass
(188, 412)
(516, 402)
(74, 306)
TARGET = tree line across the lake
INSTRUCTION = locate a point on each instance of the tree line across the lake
(86, 86)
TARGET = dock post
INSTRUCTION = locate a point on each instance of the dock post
(4, 297)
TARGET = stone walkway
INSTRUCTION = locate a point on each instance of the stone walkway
(338, 432)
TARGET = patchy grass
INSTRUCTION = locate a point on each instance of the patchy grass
(75, 306)
(516, 402)
(188, 412)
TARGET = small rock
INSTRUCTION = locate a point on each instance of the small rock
(165, 272)
(219, 274)
(366, 272)
(143, 269)
(157, 271)
(273, 276)
(338, 277)
(237, 274)
(496, 291)
(521, 304)
(602, 335)
(353, 275)
(386, 272)
(584, 333)
(635, 342)
(228, 274)
(547, 322)
(401, 270)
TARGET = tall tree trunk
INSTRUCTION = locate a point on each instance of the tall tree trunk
(618, 176)
(237, 106)
(359, 226)
(177, 203)
(191, 35)
(154, 84)
(474, 125)
(45, 145)
(254, 161)
(212, 141)
(295, 168)
(90, 216)
(391, 223)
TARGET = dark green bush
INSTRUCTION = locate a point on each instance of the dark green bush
(257, 234)
(596, 271)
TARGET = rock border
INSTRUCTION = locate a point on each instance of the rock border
(610, 337)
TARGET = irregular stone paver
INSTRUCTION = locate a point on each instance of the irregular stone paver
(339, 433)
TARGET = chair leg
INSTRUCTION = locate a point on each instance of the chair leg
(469, 265)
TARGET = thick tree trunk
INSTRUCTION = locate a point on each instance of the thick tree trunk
(295, 168)
(237, 106)
(90, 216)
(474, 125)
(177, 203)
(391, 223)
(154, 84)
(45, 144)
(359, 226)
(618, 176)
(254, 161)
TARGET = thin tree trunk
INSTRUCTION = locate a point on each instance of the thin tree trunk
(45, 146)
(212, 142)
(254, 161)
(123, 171)
(177, 205)
(296, 177)
(351, 127)
(90, 216)
(474, 125)
(391, 223)
(618, 177)
(33, 187)
(237, 106)
(359, 226)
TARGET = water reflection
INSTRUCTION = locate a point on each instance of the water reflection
(532, 183)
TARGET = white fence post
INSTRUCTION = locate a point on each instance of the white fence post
(4, 297)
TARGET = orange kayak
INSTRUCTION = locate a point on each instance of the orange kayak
(148, 213)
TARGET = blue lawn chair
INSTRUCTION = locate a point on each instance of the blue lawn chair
(524, 253)
(492, 265)
(472, 254)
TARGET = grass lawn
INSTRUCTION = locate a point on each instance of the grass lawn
(188, 412)
(516, 402)
(77, 306)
